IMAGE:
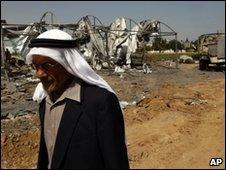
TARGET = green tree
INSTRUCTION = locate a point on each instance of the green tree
(172, 45)
(159, 44)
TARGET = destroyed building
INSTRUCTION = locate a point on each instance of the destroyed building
(119, 44)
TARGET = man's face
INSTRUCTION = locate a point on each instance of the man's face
(52, 75)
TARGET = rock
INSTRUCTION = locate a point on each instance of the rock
(123, 104)
(4, 115)
(3, 86)
(22, 90)
(119, 70)
(121, 76)
(11, 116)
(28, 99)
(32, 80)
(4, 138)
(186, 59)
(5, 98)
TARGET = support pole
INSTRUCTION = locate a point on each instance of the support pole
(107, 52)
(176, 51)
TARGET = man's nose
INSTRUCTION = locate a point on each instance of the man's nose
(40, 73)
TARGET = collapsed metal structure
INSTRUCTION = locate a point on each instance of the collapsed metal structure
(120, 44)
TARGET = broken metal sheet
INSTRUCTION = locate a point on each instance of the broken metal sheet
(21, 39)
(117, 35)
(122, 42)
(12, 31)
(119, 70)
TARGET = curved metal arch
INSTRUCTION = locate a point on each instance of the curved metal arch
(94, 19)
(167, 26)
(173, 33)
(44, 15)
(159, 22)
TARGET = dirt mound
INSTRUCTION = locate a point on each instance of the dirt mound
(168, 97)
(20, 142)
(172, 128)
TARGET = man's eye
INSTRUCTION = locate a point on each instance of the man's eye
(48, 65)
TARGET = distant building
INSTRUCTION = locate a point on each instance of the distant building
(187, 44)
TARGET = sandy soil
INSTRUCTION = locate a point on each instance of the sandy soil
(178, 120)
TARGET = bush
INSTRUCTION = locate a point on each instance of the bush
(171, 56)
(148, 48)
(196, 56)
(190, 50)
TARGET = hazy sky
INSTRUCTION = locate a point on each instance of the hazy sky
(189, 19)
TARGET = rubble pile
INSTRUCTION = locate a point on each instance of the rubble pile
(16, 92)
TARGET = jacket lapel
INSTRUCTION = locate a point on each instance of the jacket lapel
(69, 120)
(42, 107)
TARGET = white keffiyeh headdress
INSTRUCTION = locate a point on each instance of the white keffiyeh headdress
(69, 58)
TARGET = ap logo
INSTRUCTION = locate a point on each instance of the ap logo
(216, 161)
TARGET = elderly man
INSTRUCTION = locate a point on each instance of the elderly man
(82, 123)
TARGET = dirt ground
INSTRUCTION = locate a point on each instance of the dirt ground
(178, 120)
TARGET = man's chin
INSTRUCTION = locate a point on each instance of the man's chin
(49, 89)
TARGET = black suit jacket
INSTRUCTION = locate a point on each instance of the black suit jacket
(91, 133)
